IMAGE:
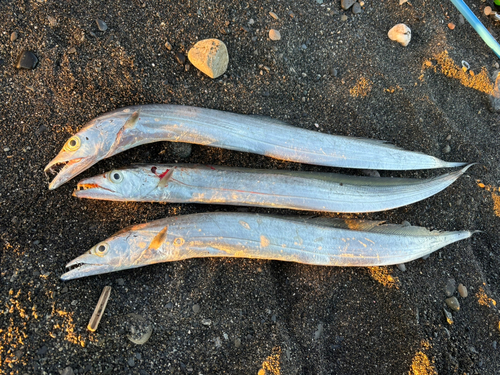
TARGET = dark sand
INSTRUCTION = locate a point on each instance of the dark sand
(308, 320)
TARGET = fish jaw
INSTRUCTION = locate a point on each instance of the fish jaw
(87, 265)
(85, 270)
(72, 167)
(94, 188)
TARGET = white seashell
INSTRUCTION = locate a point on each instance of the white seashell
(400, 33)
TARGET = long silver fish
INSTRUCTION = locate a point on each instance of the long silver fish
(182, 183)
(317, 241)
(122, 129)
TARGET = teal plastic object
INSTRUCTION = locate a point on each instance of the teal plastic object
(477, 25)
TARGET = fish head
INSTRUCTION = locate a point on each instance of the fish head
(100, 138)
(121, 251)
(128, 184)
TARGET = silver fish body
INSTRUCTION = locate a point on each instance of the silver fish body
(315, 241)
(122, 129)
(329, 192)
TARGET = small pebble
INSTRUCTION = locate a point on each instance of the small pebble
(13, 36)
(52, 21)
(210, 57)
(101, 25)
(120, 281)
(26, 60)
(68, 371)
(400, 33)
(401, 2)
(333, 72)
(181, 59)
(446, 149)
(168, 46)
(346, 4)
(196, 308)
(206, 322)
(461, 19)
(462, 290)
(448, 137)
(356, 8)
(272, 14)
(169, 305)
(449, 289)
(72, 50)
(448, 316)
(343, 18)
(451, 26)
(494, 344)
(237, 342)
(452, 303)
(401, 267)
(251, 21)
(274, 34)
(131, 362)
(180, 149)
(6, 149)
(42, 351)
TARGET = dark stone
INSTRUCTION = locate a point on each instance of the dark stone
(43, 350)
(356, 8)
(27, 60)
(346, 4)
(101, 25)
(180, 149)
(181, 59)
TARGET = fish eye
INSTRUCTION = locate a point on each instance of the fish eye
(102, 249)
(73, 143)
(115, 176)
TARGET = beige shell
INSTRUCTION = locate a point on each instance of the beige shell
(210, 56)
(400, 33)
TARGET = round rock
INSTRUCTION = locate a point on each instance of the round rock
(400, 33)
(356, 8)
(449, 289)
(452, 303)
(274, 34)
(210, 56)
(462, 290)
(101, 25)
(181, 149)
(27, 60)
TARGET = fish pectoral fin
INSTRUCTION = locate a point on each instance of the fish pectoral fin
(153, 247)
(129, 124)
(158, 239)
(165, 177)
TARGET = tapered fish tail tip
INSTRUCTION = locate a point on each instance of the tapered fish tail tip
(472, 232)
(452, 164)
(464, 169)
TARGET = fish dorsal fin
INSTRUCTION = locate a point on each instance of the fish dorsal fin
(372, 226)
(404, 230)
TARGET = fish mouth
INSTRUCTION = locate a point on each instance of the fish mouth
(65, 170)
(78, 268)
(92, 190)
